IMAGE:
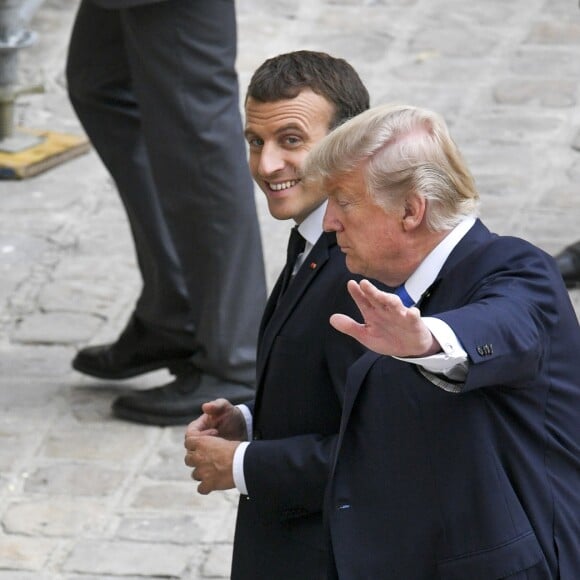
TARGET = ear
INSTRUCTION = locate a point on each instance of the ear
(414, 211)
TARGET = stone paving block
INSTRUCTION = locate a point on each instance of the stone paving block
(22, 553)
(17, 248)
(509, 127)
(21, 393)
(545, 232)
(181, 497)
(111, 577)
(573, 172)
(56, 328)
(12, 575)
(368, 45)
(75, 479)
(169, 464)
(59, 517)
(546, 63)
(447, 103)
(76, 296)
(108, 577)
(123, 558)
(20, 434)
(548, 93)
(218, 527)
(115, 444)
(102, 271)
(561, 198)
(34, 362)
(178, 529)
(491, 14)
(454, 41)
(438, 70)
(218, 562)
(555, 33)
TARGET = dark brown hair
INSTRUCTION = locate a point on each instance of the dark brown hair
(286, 75)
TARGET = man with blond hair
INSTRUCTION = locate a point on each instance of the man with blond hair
(458, 455)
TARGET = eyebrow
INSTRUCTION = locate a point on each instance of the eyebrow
(289, 127)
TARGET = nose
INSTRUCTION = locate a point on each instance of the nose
(271, 161)
(330, 223)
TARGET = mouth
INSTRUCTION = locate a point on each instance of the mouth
(282, 186)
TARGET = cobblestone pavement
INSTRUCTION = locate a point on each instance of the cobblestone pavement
(84, 496)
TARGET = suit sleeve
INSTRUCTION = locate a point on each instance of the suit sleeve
(289, 475)
(505, 323)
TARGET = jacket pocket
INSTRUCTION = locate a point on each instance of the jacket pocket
(494, 563)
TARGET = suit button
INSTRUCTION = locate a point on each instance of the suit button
(343, 506)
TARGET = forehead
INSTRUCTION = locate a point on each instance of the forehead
(307, 111)
(351, 183)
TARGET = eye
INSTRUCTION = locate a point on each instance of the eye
(255, 142)
(292, 140)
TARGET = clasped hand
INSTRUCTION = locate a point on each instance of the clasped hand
(211, 441)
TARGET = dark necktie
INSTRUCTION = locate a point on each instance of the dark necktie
(402, 293)
(296, 245)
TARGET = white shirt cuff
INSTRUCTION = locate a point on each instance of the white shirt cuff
(248, 419)
(238, 463)
(238, 468)
(452, 362)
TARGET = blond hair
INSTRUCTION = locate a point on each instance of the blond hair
(402, 150)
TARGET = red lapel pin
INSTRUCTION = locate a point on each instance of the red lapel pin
(313, 265)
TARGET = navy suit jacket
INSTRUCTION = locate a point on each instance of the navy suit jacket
(121, 4)
(477, 485)
(302, 366)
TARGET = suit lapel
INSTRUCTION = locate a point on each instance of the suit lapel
(279, 309)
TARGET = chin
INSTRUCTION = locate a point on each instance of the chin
(352, 266)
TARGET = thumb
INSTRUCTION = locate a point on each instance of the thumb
(346, 325)
(215, 407)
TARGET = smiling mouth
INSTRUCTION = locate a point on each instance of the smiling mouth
(283, 185)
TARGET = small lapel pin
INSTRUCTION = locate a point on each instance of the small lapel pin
(313, 265)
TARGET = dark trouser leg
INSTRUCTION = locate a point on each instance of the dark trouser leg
(181, 57)
(100, 89)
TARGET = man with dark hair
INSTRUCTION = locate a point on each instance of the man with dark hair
(458, 455)
(293, 101)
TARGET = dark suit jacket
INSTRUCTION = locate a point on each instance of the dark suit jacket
(302, 364)
(478, 485)
(120, 4)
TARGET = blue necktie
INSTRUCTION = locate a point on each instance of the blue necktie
(402, 293)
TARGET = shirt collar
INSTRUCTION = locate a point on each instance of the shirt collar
(429, 268)
(311, 227)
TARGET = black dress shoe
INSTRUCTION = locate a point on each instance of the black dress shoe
(180, 401)
(136, 352)
(568, 261)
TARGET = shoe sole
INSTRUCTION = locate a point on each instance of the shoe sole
(175, 366)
